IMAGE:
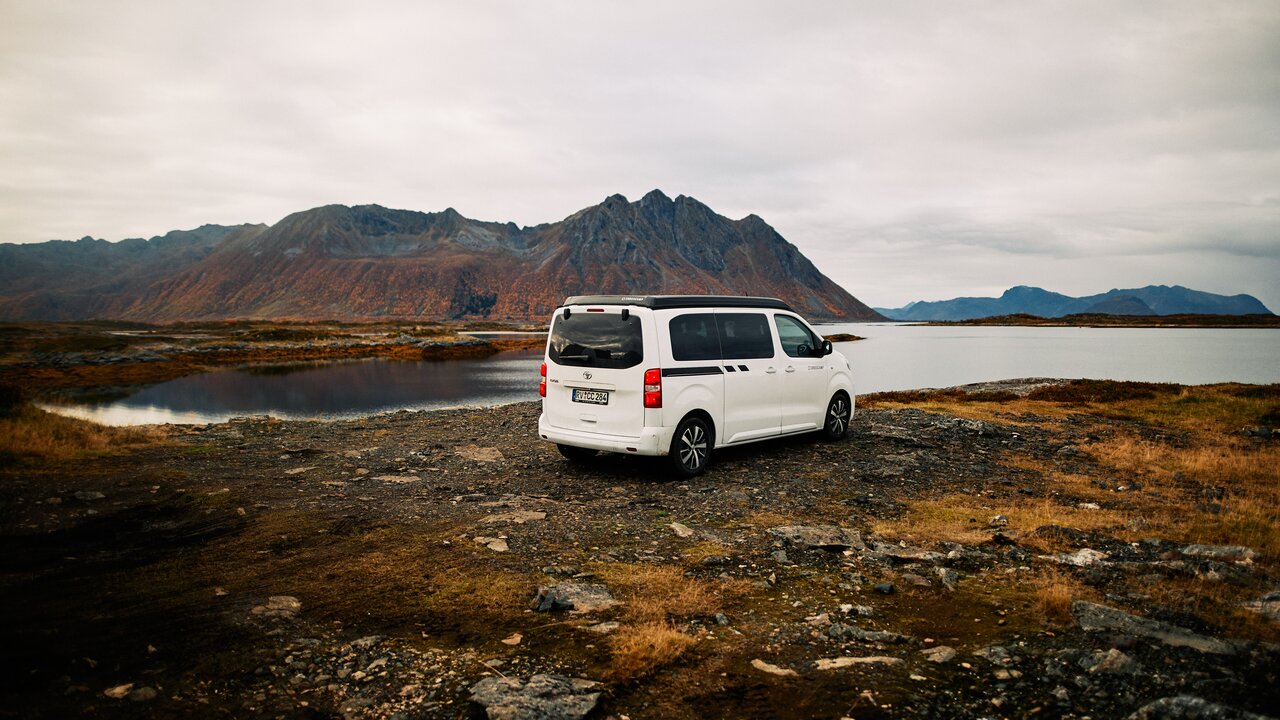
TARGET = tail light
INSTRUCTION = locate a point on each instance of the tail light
(542, 386)
(653, 388)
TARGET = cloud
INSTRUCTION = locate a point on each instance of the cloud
(1032, 135)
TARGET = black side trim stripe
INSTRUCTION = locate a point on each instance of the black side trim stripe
(744, 368)
(730, 368)
(702, 370)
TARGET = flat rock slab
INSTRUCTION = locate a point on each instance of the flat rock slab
(575, 596)
(1231, 553)
(844, 662)
(399, 479)
(1092, 616)
(541, 697)
(279, 606)
(1189, 707)
(772, 669)
(826, 537)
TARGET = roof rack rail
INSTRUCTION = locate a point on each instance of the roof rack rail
(660, 302)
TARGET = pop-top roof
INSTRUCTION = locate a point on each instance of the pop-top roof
(660, 302)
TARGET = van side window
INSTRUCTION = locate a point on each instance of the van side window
(693, 337)
(744, 336)
(797, 340)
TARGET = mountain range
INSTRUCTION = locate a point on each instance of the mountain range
(367, 262)
(1149, 300)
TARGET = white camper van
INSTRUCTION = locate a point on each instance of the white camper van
(681, 375)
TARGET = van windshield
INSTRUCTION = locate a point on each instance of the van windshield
(604, 340)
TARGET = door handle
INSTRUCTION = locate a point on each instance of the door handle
(790, 369)
(771, 370)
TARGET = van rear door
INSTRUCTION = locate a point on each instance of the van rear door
(595, 373)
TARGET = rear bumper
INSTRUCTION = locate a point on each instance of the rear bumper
(652, 441)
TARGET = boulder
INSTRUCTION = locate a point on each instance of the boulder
(1093, 617)
(541, 697)
(826, 537)
(1189, 707)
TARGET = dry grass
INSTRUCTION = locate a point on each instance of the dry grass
(660, 593)
(28, 434)
(964, 518)
(695, 554)
(1052, 595)
(638, 650)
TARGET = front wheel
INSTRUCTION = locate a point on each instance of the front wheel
(576, 454)
(691, 447)
(838, 413)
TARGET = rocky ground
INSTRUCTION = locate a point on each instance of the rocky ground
(449, 564)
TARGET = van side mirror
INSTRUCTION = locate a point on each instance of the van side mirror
(826, 348)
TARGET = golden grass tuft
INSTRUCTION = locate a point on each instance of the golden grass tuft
(640, 649)
(698, 552)
(30, 434)
(660, 593)
(949, 518)
(1053, 593)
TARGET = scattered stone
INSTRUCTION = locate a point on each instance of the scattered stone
(604, 628)
(883, 588)
(722, 619)
(715, 560)
(1231, 553)
(763, 666)
(143, 694)
(859, 610)
(88, 495)
(1268, 606)
(680, 530)
(840, 631)
(826, 537)
(1092, 617)
(780, 556)
(541, 697)
(480, 454)
(493, 543)
(1084, 557)
(398, 479)
(906, 553)
(512, 639)
(1089, 506)
(299, 470)
(579, 597)
(1188, 707)
(995, 654)
(118, 692)
(843, 662)
(940, 654)
(518, 517)
(998, 521)
(284, 606)
(1006, 674)
(947, 577)
(1113, 661)
(914, 579)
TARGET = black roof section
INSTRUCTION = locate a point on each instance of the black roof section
(662, 302)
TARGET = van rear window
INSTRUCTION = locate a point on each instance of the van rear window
(603, 340)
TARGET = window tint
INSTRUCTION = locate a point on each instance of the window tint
(596, 340)
(797, 340)
(744, 336)
(693, 337)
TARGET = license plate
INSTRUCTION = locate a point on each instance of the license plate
(595, 397)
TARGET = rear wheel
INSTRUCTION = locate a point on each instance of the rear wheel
(691, 447)
(838, 413)
(576, 454)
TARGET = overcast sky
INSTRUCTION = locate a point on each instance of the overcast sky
(911, 150)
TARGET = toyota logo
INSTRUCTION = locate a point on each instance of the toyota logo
(586, 374)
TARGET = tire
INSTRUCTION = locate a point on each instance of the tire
(839, 412)
(576, 454)
(691, 447)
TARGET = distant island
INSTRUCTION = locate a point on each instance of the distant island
(1145, 302)
(1106, 320)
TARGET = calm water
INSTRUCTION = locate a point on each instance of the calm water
(893, 357)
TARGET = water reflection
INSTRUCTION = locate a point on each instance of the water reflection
(325, 390)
